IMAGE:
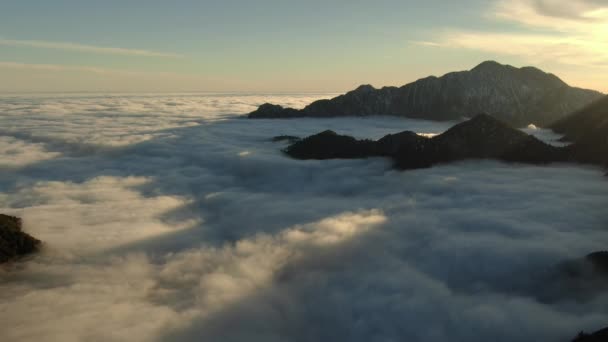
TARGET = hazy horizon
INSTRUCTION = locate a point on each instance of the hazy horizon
(275, 46)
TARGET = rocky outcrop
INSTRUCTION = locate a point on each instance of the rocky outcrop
(482, 137)
(13, 241)
(518, 96)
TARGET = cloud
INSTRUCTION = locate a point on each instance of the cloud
(80, 68)
(578, 51)
(580, 15)
(156, 229)
(570, 33)
(81, 123)
(104, 204)
(59, 67)
(425, 43)
(85, 48)
(18, 153)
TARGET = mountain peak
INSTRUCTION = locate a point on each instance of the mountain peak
(518, 96)
(485, 117)
(488, 65)
(365, 88)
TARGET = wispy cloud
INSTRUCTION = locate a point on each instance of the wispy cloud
(562, 16)
(425, 43)
(536, 48)
(56, 67)
(81, 68)
(572, 33)
(86, 48)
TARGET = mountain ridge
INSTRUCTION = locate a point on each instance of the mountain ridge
(587, 129)
(519, 96)
(482, 137)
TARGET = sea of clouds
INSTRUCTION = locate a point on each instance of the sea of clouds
(169, 217)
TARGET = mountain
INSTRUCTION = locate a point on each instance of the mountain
(518, 96)
(586, 277)
(588, 130)
(13, 241)
(482, 137)
(329, 145)
(598, 336)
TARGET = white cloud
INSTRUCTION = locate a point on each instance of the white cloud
(566, 32)
(85, 48)
(156, 229)
(82, 122)
(535, 48)
(106, 205)
(18, 153)
(582, 16)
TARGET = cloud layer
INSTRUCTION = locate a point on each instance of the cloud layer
(168, 218)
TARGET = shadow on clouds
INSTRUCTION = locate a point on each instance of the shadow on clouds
(192, 227)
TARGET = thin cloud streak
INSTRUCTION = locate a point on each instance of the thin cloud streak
(425, 43)
(57, 67)
(86, 48)
(85, 68)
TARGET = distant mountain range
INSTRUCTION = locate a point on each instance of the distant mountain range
(518, 96)
(482, 137)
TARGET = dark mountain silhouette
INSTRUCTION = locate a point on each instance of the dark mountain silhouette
(13, 241)
(580, 279)
(518, 96)
(598, 336)
(482, 137)
(588, 130)
(592, 265)
(590, 271)
(340, 147)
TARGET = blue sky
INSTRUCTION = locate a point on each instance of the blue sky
(288, 46)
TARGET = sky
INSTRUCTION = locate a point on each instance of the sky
(289, 46)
